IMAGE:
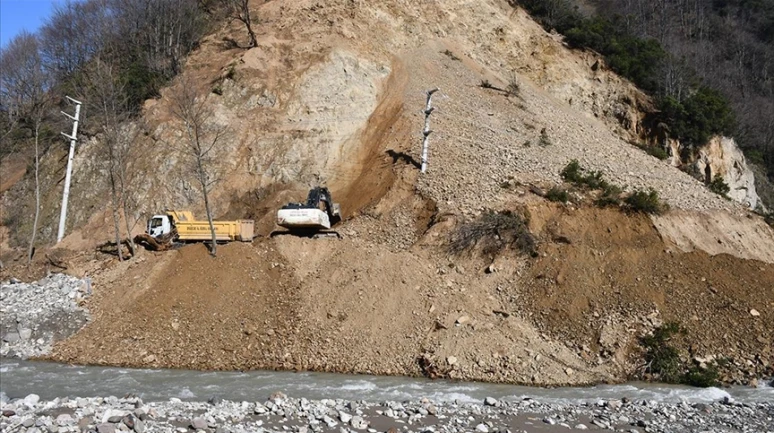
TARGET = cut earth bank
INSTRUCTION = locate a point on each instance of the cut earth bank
(389, 298)
(363, 304)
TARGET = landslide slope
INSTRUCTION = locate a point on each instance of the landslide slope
(334, 94)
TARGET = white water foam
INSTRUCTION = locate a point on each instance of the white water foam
(360, 385)
(186, 393)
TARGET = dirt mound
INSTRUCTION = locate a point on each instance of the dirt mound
(608, 272)
(193, 311)
(364, 304)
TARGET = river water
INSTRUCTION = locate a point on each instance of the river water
(51, 380)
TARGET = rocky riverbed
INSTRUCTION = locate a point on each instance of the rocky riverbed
(280, 413)
(33, 316)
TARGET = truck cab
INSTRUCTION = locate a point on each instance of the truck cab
(159, 225)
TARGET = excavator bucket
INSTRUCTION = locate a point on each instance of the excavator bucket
(162, 243)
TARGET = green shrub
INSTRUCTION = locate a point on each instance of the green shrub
(655, 151)
(572, 172)
(645, 201)
(695, 119)
(578, 176)
(719, 186)
(557, 194)
(494, 231)
(611, 196)
(140, 83)
(701, 377)
(661, 358)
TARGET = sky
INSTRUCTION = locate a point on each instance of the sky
(18, 15)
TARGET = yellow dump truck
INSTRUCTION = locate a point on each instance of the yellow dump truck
(164, 231)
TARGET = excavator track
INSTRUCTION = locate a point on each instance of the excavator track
(313, 234)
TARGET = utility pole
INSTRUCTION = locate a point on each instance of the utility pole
(73, 138)
(426, 132)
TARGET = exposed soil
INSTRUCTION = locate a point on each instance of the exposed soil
(361, 305)
(334, 95)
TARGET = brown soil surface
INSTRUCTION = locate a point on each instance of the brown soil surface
(333, 94)
(361, 305)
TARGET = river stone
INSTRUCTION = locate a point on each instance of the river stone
(64, 420)
(128, 421)
(114, 419)
(139, 426)
(199, 423)
(490, 401)
(25, 334)
(358, 423)
(482, 428)
(8, 413)
(83, 423)
(329, 421)
(141, 414)
(106, 428)
(345, 417)
(581, 427)
(11, 337)
(29, 422)
(31, 400)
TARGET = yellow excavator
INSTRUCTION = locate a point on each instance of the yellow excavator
(177, 227)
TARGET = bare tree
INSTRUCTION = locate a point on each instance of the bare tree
(105, 95)
(201, 137)
(240, 10)
(73, 34)
(25, 84)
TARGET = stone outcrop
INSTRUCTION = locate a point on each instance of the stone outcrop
(722, 157)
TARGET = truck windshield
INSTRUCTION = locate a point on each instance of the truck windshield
(156, 222)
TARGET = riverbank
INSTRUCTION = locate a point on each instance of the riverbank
(33, 316)
(286, 414)
(172, 400)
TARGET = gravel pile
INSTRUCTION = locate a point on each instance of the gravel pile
(482, 140)
(283, 414)
(33, 316)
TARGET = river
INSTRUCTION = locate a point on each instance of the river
(51, 380)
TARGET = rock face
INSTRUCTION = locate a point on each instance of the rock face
(722, 157)
(34, 316)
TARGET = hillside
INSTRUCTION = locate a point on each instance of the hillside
(333, 94)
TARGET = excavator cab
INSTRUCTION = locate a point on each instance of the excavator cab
(317, 214)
